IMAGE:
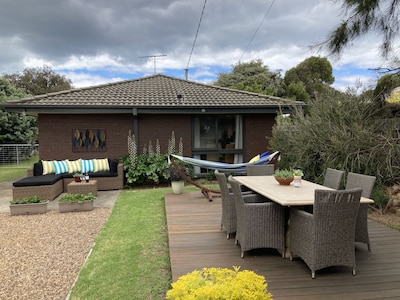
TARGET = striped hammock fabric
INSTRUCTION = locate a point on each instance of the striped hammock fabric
(264, 159)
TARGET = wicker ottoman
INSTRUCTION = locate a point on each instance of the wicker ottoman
(83, 187)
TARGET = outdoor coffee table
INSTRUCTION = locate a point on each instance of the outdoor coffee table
(82, 187)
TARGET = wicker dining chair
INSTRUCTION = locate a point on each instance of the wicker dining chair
(333, 178)
(228, 218)
(326, 237)
(366, 183)
(262, 170)
(259, 225)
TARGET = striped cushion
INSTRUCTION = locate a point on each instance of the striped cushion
(87, 165)
(60, 166)
(48, 167)
(101, 165)
(74, 166)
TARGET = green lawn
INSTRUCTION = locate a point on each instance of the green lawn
(13, 171)
(130, 259)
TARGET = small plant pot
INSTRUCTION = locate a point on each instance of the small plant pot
(177, 186)
(28, 209)
(284, 181)
(77, 179)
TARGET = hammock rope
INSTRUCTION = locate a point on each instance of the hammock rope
(224, 167)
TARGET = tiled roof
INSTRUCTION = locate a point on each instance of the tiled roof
(157, 91)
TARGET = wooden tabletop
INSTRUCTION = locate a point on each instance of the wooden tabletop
(285, 195)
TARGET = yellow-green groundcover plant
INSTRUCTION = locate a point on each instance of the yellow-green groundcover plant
(220, 283)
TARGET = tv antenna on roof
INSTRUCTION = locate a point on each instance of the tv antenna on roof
(154, 59)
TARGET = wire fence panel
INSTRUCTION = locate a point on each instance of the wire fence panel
(16, 153)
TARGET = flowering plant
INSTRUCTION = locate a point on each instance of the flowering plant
(219, 283)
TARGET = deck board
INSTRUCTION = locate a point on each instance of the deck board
(196, 241)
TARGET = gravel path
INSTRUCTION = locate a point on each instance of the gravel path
(41, 255)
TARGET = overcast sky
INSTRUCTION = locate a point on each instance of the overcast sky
(98, 41)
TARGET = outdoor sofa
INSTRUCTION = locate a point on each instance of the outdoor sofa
(48, 179)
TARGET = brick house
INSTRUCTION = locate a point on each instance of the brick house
(215, 123)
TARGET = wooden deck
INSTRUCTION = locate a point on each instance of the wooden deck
(196, 241)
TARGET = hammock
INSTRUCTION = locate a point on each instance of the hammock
(261, 159)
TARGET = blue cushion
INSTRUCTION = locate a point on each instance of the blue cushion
(87, 165)
(60, 166)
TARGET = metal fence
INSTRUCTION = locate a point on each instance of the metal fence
(16, 153)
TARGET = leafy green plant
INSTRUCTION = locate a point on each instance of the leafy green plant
(283, 173)
(28, 200)
(298, 172)
(148, 169)
(78, 198)
(220, 283)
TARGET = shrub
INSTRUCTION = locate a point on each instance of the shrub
(341, 131)
(219, 283)
(148, 169)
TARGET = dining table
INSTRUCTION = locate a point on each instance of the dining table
(286, 195)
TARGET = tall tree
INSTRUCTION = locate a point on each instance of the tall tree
(15, 128)
(38, 81)
(386, 84)
(314, 73)
(361, 17)
(254, 77)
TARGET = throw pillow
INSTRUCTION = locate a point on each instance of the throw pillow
(60, 166)
(101, 165)
(48, 167)
(74, 166)
(87, 165)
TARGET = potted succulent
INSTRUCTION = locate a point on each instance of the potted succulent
(78, 177)
(297, 174)
(284, 176)
(28, 206)
(76, 202)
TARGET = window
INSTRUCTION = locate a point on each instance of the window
(218, 138)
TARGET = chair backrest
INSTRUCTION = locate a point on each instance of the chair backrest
(261, 170)
(237, 194)
(333, 178)
(336, 209)
(222, 182)
(365, 182)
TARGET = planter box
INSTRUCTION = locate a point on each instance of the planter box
(28, 209)
(75, 206)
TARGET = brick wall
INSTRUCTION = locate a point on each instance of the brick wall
(153, 127)
(257, 127)
(55, 135)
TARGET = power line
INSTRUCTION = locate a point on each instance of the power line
(262, 21)
(195, 38)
